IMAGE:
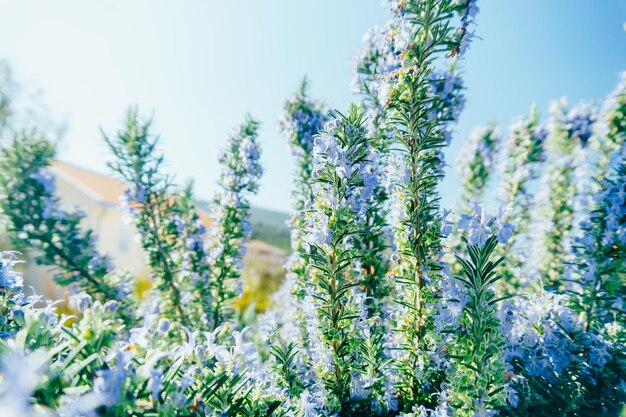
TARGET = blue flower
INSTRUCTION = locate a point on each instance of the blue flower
(46, 180)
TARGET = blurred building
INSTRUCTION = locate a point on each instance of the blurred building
(98, 196)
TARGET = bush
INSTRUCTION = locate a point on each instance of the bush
(390, 305)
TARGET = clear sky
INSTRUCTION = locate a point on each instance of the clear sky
(199, 65)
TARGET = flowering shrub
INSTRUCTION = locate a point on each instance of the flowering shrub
(391, 305)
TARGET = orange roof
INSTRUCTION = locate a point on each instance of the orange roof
(107, 189)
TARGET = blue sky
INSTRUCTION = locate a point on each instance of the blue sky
(199, 66)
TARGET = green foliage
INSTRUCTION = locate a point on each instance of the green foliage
(149, 194)
(476, 161)
(239, 178)
(34, 216)
(419, 133)
(330, 264)
(476, 347)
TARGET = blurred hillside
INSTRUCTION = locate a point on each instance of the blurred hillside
(268, 226)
